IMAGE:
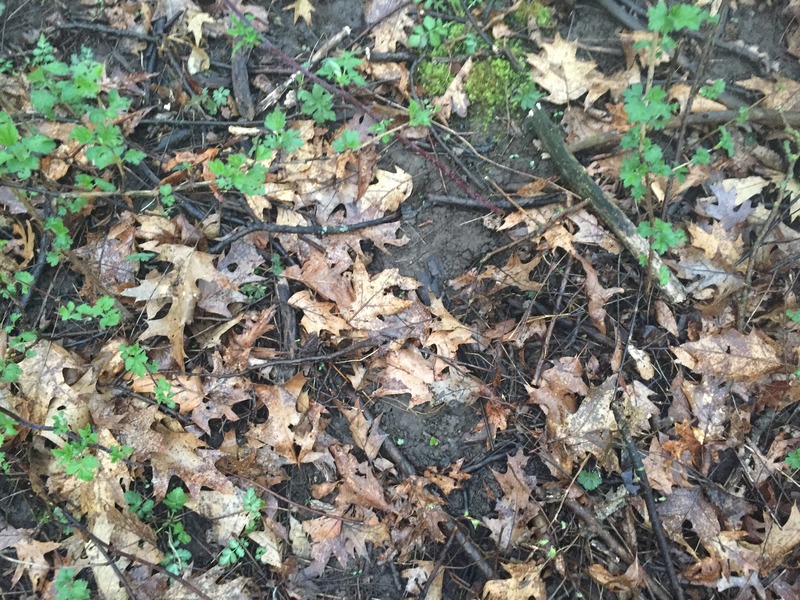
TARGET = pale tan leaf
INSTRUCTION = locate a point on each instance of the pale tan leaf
(194, 23)
(525, 583)
(303, 9)
(30, 554)
(731, 356)
(182, 455)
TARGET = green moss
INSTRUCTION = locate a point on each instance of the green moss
(491, 85)
(534, 9)
(434, 77)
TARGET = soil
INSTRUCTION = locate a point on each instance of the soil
(457, 238)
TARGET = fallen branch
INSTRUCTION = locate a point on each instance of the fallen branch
(577, 179)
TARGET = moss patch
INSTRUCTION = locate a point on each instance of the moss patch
(543, 15)
(491, 85)
(434, 77)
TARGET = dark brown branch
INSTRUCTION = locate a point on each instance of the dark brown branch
(576, 178)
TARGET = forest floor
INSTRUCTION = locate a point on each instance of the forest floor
(301, 301)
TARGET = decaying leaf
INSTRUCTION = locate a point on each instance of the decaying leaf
(525, 583)
(303, 9)
(731, 356)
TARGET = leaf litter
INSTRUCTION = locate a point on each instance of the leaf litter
(255, 413)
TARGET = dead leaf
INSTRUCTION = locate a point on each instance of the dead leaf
(180, 290)
(182, 455)
(302, 10)
(198, 61)
(513, 524)
(665, 318)
(455, 96)
(388, 20)
(292, 433)
(359, 484)
(567, 77)
(782, 94)
(596, 293)
(30, 554)
(525, 583)
(632, 579)
(194, 23)
(731, 356)
(689, 504)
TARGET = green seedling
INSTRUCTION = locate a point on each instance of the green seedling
(589, 480)
(347, 140)
(342, 70)
(69, 588)
(318, 104)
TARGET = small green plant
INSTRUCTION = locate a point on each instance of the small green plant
(62, 240)
(105, 144)
(347, 140)
(794, 315)
(664, 237)
(590, 480)
(18, 346)
(254, 291)
(164, 393)
(419, 115)
(73, 455)
(176, 558)
(176, 499)
(713, 91)
(431, 32)
(103, 309)
(433, 442)
(381, 130)
(649, 109)
(342, 70)
(793, 459)
(69, 588)
(20, 155)
(7, 430)
(253, 505)
(136, 361)
(139, 505)
(236, 173)
(12, 285)
(244, 33)
(527, 95)
(231, 554)
(275, 265)
(166, 197)
(278, 138)
(318, 104)
(210, 101)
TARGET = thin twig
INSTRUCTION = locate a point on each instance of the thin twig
(639, 470)
(697, 81)
(106, 548)
(306, 229)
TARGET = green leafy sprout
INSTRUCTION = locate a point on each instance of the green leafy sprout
(244, 33)
(103, 310)
(589, 480)
(318, 104)
(69, 588)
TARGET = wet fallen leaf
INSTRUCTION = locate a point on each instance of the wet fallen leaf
(303, 9)
(731, 356)
(525, 583)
